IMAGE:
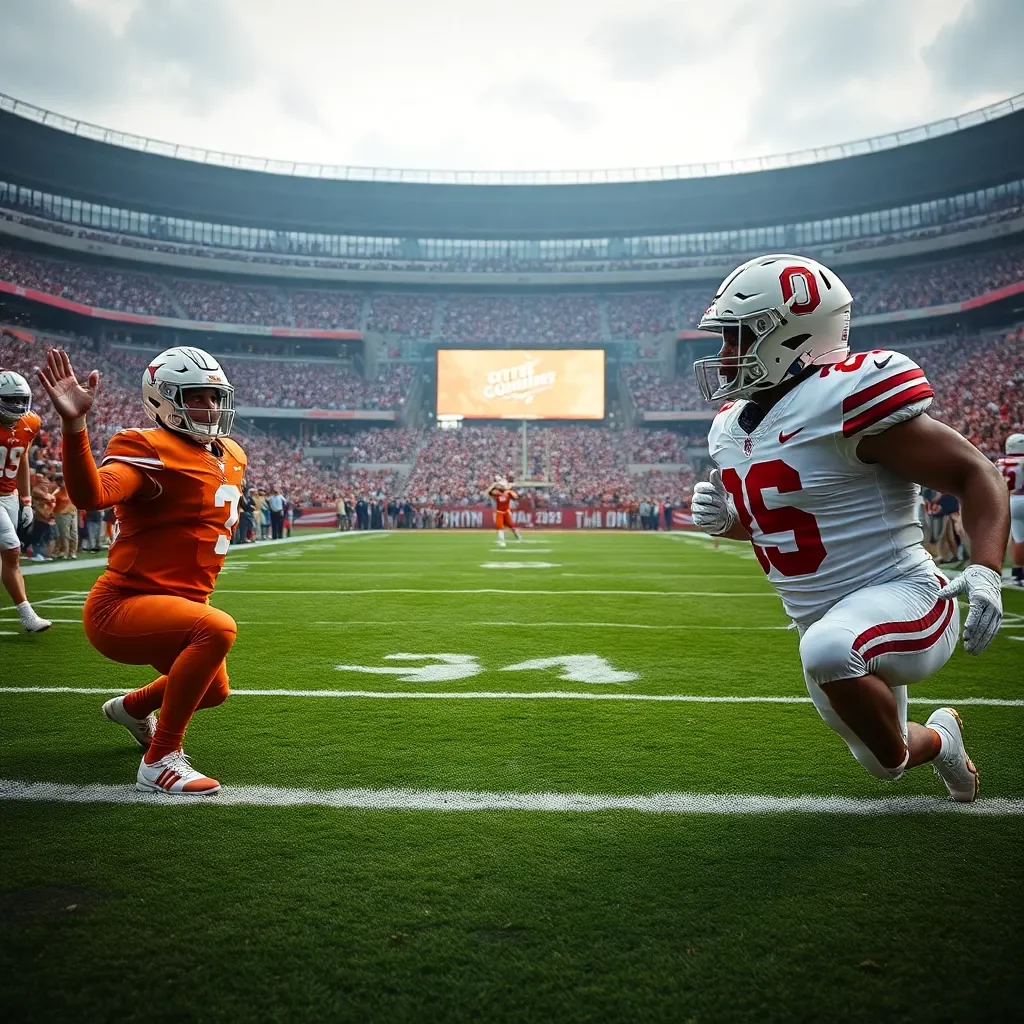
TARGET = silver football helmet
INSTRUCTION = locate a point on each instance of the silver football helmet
(167, 381)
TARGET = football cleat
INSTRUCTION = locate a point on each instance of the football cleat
(953, 765)
(173, 774)
(35, 623)
(142, 729)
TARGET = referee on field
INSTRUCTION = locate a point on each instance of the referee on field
(276, 503)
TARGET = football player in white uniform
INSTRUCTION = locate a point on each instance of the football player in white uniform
(1011, 465)
(819, 457)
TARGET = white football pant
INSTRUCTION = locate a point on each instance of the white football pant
(1017, 518)
(10, 505)
(898, 631)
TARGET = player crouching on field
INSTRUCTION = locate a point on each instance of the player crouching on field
(503, 495)
(819, 457)
(175, 490)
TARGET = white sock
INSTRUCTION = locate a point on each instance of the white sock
(501, 536)
(25, 610)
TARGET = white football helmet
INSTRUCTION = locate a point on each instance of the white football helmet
(1015, 444)
(170, 376)
(500, 481)
(777, 314)
(15, 397)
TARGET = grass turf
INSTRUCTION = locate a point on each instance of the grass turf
(288, 913)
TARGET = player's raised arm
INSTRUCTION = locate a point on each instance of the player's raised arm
(931, 454)
(87, 486)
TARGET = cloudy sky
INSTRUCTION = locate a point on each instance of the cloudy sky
(517, 84)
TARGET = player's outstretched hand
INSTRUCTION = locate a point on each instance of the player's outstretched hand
(710, 506)
(984, 590)
(70, 399)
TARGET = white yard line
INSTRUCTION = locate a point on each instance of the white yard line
(473, 800)
(669, 698)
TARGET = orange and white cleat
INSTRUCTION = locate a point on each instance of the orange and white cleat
(174, 775)
(142, 729)
(953, 765)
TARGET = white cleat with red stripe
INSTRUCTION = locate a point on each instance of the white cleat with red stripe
(142, 729)
(953, 765)
(173, 774)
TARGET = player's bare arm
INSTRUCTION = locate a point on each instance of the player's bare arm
(931, 454)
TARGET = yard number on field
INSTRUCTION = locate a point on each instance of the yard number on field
(574, 668)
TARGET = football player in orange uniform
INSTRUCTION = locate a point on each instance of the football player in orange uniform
(18, 429)
(503, 495)
(175, 489)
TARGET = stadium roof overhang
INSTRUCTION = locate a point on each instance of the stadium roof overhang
(60, 162)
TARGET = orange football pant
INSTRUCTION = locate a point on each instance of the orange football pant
(184, 640)
(502, 519)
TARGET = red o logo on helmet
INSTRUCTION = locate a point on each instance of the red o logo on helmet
(800, 281)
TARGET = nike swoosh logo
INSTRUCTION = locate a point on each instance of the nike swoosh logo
(884, 363)
(783, 438)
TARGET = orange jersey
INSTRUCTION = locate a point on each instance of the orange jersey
(503, 499)
(175, 543)
(14, 442)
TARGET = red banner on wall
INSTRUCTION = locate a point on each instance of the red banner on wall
(603, 517)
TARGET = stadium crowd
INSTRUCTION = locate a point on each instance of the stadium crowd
(89, 284)
(452, 318)
(650, 392)
(389, 446)
(979, 383)
(521, 319)
(296, 384)
(979, 386)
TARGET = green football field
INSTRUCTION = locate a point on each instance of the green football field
(577, 779)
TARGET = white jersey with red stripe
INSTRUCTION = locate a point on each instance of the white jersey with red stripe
(823, 523)
(1012, 468)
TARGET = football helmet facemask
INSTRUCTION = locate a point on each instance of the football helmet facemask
(166, 383)
(777, 315)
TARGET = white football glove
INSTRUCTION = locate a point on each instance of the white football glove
(26, 517)
(710, 506)
(984, 589)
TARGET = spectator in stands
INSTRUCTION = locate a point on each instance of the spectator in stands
(66, 520)
(44, 501)
(93, 528)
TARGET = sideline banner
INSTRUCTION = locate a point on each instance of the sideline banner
(602, 517)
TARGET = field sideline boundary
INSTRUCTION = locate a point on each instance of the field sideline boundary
(14, 790)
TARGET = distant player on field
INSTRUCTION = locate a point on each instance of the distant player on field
(819, 457)
(503, 495)
(175, 491)
(18, 429)
(1011, 465)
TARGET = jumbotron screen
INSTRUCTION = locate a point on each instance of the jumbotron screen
(518, 384)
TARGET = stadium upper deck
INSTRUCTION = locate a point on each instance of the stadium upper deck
(961, 177)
